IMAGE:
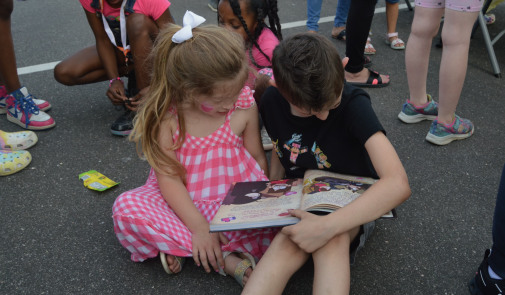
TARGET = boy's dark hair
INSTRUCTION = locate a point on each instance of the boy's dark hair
(261, 9)
(308, 71)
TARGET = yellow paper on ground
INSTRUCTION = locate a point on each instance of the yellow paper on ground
(95, 180)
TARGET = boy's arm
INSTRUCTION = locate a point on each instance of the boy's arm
(252, 138)
(107, 54)
(313, 232)
(277, 171)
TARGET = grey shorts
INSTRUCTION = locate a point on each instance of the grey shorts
(359, 242)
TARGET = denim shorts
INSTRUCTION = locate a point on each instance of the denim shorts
(359, 242)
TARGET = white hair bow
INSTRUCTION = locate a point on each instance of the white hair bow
(189, 22)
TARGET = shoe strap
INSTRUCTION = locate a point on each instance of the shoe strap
(395, 34)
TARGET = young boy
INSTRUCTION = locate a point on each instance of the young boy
(312, 111)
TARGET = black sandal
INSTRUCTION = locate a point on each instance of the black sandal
(340, 36)
(368, 62)
(374, 81)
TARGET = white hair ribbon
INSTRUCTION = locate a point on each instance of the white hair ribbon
(189, 22)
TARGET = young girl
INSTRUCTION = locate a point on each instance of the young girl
(313, 106)
(247, 17)
(198, 128)
(115, 22)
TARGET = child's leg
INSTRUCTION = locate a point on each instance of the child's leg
(142, 31)
(456, 35)
(424, 28)
(392, 15)
(8, 71)
(85, 67)
(313, 14)
(340, 17)
(497, 258)
(332, 274)
(282, 259)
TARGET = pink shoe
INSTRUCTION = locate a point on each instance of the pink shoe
(26, 114)
(41, 104)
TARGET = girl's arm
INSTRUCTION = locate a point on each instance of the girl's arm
(277, 171)
(206, 246)
(107, 54)
(252, 138)
(165, 19)
(390, 191)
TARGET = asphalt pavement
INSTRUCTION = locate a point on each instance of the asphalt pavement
(56, 237)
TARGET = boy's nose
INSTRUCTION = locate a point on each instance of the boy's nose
(323, 115)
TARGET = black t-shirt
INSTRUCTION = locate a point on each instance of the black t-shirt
(336, 144)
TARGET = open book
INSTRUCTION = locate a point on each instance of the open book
(262, 204)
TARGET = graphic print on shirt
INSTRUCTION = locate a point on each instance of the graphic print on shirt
(294, 146)
(276, 148)
(321, 158)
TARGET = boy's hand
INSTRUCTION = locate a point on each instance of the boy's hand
(116, 93)
(207, 249)
(135, 101)
(310, 234)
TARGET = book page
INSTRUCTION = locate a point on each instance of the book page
(323, 189)
(259, 201)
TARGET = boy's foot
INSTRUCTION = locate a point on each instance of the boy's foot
(213, 5)
(15, 141)
(442, 134)
(26, 114)
(12, 162)
(123, 125)
(412, 114)
(266, 140)
(482, 283)
(41, 104)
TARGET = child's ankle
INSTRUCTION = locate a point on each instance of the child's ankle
(420, 103)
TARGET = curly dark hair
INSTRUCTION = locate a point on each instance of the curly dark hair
(261, 9)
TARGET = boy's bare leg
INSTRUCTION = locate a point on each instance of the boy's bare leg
(332, 274)
(282, 259)
(8, 70)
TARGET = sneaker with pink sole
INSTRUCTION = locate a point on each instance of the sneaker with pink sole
(41, 104)
(23, 112)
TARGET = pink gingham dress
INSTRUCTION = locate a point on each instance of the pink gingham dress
(145, 224)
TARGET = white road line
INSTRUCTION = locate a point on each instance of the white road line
(301, 23)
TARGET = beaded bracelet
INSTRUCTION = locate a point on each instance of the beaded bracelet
(112, 81)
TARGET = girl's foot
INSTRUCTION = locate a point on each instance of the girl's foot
(395, 42)
(172, 264)
(362, 77)
(369, 49)
(338, 33)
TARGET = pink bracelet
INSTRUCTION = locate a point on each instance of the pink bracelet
(112, 81)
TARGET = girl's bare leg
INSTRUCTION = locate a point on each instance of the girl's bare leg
(282, 259)
(392, 19)
(456, 35)
(8, 70)
(332, 274)
(417, 56)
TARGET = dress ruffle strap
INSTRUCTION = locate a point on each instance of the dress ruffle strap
(245, 99)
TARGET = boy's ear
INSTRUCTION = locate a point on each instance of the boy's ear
(345, 60)
(272, 82)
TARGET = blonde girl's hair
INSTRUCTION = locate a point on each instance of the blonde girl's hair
(181, 72)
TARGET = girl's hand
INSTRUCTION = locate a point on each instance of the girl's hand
(207, 249)
(135, 101)
(310, 234)
(116, 93)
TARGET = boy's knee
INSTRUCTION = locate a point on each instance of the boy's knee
(138, 26)
(63, 74)
(6, 7)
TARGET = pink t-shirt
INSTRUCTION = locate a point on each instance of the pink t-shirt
(267, 42)
(151, 8)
